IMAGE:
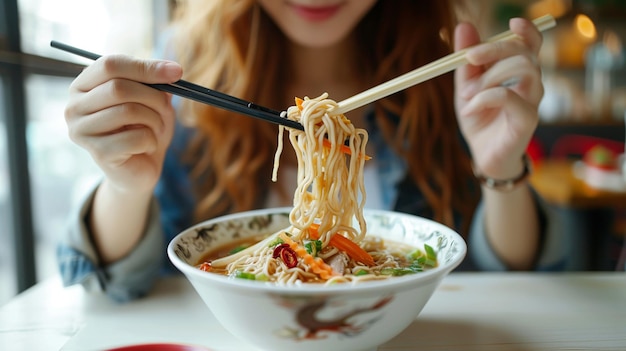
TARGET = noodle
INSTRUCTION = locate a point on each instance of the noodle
(328, 201)
(329, 188)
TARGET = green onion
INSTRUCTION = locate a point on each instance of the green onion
(431, 256)
(313, 247)
(416, 254)
(276, 242)
(262, 277)
(430, 252)
(237, 249)
(396, 272)
(245, 275)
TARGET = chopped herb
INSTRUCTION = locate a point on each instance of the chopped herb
(361, 272)
(431, 256)
(430, 252)
(419, 259)
(238, 248)
(276, 242)
(245, 275)
(416, 254)
(313, 247)
(396, 272)
(262, 277)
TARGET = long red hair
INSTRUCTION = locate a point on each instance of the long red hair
(233, 46)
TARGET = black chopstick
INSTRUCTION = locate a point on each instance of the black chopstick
(201, 94)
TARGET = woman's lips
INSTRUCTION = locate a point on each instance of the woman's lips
(316, 14)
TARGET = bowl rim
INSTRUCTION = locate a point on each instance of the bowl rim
(316, 288)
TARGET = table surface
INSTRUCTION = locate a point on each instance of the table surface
(554, 179)
(468, 311)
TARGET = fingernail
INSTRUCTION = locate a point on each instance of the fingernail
(172, 70)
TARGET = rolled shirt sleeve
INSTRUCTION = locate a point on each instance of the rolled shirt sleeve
(552, 253)
(129, 278)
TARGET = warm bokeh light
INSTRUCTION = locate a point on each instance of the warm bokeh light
(612, 42)
(585, 26)
(556, 8)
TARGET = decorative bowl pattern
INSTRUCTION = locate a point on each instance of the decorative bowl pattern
(311, 316)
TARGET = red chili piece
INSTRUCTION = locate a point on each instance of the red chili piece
(286, 253)
(289, 257)
(205, 266)
(278, 249)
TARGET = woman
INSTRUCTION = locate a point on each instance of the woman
(163, 174)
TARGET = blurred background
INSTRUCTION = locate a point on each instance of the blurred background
(42, 172)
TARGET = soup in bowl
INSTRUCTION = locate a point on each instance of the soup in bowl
(315, 316)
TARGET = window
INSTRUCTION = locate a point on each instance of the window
(58, 171)
(8, 279)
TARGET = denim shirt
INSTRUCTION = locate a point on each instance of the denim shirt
(172, 209)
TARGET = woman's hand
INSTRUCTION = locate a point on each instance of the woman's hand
(497, 97)
(125, 125)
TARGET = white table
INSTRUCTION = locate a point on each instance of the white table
(469, 311)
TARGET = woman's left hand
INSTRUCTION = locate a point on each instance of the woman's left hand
(498, 95)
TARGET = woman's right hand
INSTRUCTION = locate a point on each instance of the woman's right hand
(125, 125)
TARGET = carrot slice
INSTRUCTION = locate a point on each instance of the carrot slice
(313, 231)
(352, 249)
(344, 148)
(299, 103)
(318, 266)
(344, 244)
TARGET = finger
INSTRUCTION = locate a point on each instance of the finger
(528, 33)
(489, 53)
(519, 73)
(517, 111)
(528, 42)
(466, 35)
(122, 66)
(114, 149)
(118, 117)
(117, 92)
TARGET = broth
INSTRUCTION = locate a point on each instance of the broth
(399, 259)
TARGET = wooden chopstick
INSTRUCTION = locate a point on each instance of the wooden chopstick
(204, 95)
(434, 69)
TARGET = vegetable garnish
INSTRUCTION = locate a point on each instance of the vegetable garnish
(245, 275)
(344, 148)
(275, 242)
(205, 266)
(286, 254)
(299, 103)
(313, 246)
(352, 249)
(237, 249)
(278, 249)
(318, 266)
(419, 260)
(251, 276)
(344, 244)
(431, 256)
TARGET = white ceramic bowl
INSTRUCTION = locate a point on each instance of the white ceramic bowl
(311, 316)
